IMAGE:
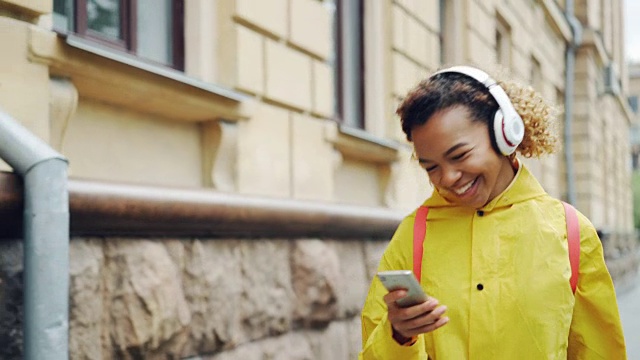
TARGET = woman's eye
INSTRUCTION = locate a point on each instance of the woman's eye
(431, 168)
(459, 156)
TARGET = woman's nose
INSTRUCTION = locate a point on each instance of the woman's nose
(450, 175)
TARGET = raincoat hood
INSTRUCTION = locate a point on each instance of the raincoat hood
(523, 187)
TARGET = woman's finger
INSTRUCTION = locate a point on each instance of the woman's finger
(424, 319)
(426, 328)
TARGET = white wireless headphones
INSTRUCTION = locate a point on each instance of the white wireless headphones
(507, 123)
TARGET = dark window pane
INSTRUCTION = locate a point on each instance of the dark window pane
(633, 102)
(351, 66)
(59, 6)
(63, 15)
(103, 16)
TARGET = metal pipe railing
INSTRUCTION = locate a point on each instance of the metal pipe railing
(46, 239)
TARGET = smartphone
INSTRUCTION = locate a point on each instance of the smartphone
(403, 279)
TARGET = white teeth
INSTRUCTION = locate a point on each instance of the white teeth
(464, 189)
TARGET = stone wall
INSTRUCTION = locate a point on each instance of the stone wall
(216, 299)
(208, 299)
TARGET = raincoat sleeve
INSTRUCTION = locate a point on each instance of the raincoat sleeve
(377, 341)
(596, 332)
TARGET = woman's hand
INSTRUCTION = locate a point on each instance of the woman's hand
(414, 320)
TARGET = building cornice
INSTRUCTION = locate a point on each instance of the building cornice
(558, 19)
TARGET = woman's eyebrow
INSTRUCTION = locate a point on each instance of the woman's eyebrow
(454, 148)
(447, 153)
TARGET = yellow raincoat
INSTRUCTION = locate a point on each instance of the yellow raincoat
(503, 272)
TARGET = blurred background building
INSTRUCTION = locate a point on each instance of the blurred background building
(236, 166)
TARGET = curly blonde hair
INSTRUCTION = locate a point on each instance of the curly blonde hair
(540, 134)
(446, 90)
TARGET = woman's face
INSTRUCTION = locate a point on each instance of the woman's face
(457, 154)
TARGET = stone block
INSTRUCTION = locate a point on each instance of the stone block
(315, 272)
(144, 148)
(373, 251)
(354, 336)
(337, 335)
(408, 184)
(433, 51)
(145, 307)
(481, 22)
(405, 74)
(408, 5)
(86, 293)
(11, 299)
(292, 346)
(24, 85)
(268, 300)
(270, 16)
(250, 60)
(417, 46)
(481, 52)
(399, 29)
(212, 278)
(264, 154)
(288, 77)
(429, 13)
(353, 281)
(312, 160)
(368, 176)
(311, 27)
(324, 94)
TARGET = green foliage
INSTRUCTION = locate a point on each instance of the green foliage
(635, 184)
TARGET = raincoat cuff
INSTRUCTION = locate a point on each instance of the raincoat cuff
(390, 349)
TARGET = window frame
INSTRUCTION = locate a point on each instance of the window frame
(77, 23)
(537, 78)
(503, 42)
(127, 23)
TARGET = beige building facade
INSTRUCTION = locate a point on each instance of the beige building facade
(293, 101)
(255, 107)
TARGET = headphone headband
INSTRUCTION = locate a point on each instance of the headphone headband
(477, 74)
(508, 125)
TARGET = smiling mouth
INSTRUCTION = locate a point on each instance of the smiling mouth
(464, 189)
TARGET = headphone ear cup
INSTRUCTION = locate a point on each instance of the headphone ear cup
(514, 130)
(509, 132)
(500, 132)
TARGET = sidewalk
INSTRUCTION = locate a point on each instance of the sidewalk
(629, 305)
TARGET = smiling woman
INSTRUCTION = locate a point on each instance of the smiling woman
(458, 156)
(494, 255)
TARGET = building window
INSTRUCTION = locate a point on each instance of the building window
(350, 62)
(149, 29)
(633, 102)
(503, 42)
(536, 74)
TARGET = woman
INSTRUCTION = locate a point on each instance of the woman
(495, 257)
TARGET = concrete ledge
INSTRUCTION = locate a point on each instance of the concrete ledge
(359, 144)
(116, 78)
(104, 209)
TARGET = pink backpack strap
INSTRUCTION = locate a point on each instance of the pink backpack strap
(573, 238)
(419, 231)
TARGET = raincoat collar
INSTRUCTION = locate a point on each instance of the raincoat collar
(524, 186)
